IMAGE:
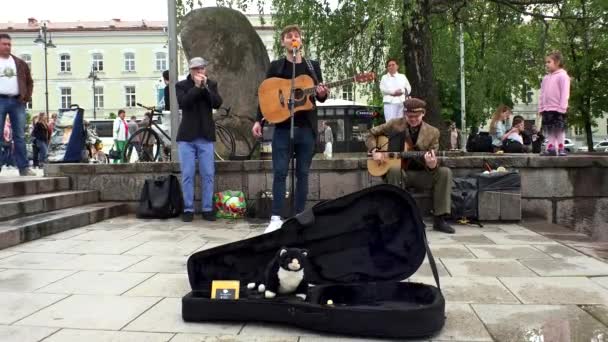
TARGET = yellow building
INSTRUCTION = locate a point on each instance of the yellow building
(127, 57)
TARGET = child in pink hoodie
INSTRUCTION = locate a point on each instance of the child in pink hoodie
(553, 103)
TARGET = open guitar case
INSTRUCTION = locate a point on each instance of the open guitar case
(360, 248)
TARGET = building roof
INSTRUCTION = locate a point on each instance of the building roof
(33, 25)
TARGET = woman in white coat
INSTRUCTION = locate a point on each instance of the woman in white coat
(120, 133)
(395, 88)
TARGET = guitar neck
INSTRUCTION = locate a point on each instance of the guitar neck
(412, 154)
(311, 91)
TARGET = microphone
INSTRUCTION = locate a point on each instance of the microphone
(295, 45)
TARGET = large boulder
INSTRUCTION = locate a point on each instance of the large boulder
(238, 60)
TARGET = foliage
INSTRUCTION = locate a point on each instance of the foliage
(112, 115)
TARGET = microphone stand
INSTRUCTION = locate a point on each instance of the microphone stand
(292, 195)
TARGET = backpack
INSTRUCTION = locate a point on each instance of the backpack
(464, 200)
(161, 197)
(481, 142)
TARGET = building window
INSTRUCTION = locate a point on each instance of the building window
(347, 92)
(28, 60)
(98, 97)
(28, 105)
(97, 62)
(66, 97)
(65, 63)
(578, 130)
(161, 61)
(130, 96)
(129, 61)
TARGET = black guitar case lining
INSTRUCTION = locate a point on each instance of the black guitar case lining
(360, 248)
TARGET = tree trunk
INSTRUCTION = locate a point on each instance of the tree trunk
(417, 53)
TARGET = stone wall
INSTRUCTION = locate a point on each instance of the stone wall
(572, 191)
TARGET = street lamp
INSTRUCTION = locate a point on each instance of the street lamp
(93, 77)
(42, 40)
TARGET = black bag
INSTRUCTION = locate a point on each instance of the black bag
(464, 198)
(360, 247)
(499, 181)
(114, 153)
(481, 142)
(161, 197)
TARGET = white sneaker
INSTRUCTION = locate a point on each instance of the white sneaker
(275, 224)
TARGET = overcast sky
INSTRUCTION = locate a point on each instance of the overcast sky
(70, 10)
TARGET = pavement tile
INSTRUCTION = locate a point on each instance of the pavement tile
(100, 262)
(159, 236)
(457, 239)
(16, 280)
(472, 290)
(91, 312)
(103, 247)
(5, 253)
(462, 324)
(599, 312)
(72, 335)
(602, 281)
(24, 334)
(165, 248)
(425, 269)
(556, 290)
(566, 267)
(14, 306)
(96, 283)
(519, 239)
(231, 338)
(105, 235)
(39, 261)
(68, 234)
(162, 285)
(161, 264)
(451, 251)
(555, 323)
(166, 316)
(269, 329)
(46, 246)
(559, 251)
(507, 252)
(486, 268)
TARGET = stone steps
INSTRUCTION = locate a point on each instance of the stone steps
(14, 207)
(31, 227)
(24, 186)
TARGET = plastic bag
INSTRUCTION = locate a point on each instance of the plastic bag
(230, 204)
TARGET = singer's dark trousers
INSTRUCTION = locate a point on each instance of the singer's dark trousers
(304, 148)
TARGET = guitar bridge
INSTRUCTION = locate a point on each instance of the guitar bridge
(281, 98)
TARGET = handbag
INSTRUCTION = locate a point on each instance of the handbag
(161, 197)
(114, 154)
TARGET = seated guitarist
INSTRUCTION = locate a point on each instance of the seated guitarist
(305, 123)
(412, 131)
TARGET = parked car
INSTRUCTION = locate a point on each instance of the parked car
(569, 146)
(602, 146)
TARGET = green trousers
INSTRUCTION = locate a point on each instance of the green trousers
(439, 180)
(120, 147)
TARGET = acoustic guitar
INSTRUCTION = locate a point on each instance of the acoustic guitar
(274, 92)
(392, 159)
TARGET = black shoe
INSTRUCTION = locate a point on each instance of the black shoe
(187, 216)
(440, 225)
(209, 216)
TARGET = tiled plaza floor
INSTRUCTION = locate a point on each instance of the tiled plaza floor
(122, 280)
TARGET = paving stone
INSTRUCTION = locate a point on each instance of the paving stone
(96, 283)
(46, 246)
(336, 338)
(268, 329)
(472, 290)
(162, 285)
(462, 324)
(29, 280)
(486, 268)
(5, 253)
(40, 261)
(105, 235)
(507, 252)
(599, 312)
(147, 236)
(161, 264)
(559, 251)
(94, 262)
(451, 251)
(166, 316)
(425, 269)
(24, 334)
(459, 239)
(582, 266)
(602, 281)
(71, 335)
(232, 338)
(556, 323)
(103, 247)
(556, 290)
(68, 234)
(14, 306)
(91, 312)
(519, 239)
(165, 248)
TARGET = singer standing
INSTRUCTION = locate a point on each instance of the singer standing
(395, 88)
(305, 126)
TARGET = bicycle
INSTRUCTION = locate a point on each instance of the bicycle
(225, 145)
(146, 141)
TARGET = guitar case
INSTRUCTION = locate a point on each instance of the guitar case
(360, 249)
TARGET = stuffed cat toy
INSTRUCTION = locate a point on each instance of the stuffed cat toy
(285, 274)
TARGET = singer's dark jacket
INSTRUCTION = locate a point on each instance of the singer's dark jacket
(197, 109)
(282, 68)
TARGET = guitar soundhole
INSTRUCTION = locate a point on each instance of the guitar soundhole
(299, 94)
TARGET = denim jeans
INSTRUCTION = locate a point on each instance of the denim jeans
(304, 146)
(16, 112)
(43, 149)
(189, 151)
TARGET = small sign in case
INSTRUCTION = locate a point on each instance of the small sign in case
(225, 289)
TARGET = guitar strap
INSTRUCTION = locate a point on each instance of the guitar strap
(312, 70)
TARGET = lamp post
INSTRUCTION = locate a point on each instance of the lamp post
(44, 39)
(93, 77)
